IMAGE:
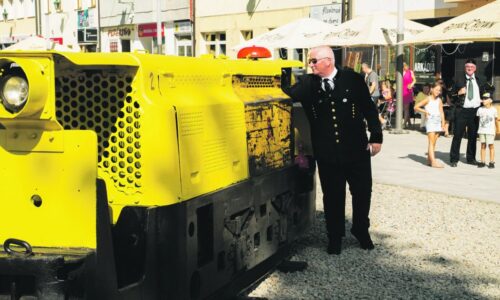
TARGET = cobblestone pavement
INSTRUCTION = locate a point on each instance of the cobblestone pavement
(428, 246)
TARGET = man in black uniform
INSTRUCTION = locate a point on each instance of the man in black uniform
(470, 88)
(337, 103)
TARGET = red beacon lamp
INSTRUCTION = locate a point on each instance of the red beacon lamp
(254, 52)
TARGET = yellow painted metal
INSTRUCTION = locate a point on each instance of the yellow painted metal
(63, 180)
(210, 121)
(168, 128)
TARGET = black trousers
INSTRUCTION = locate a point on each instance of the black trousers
(464, 117)
(333, 178)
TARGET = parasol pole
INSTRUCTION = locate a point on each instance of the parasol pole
(493, 58)
(373, 57)
(399, 70)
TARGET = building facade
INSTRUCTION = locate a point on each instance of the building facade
(60, 22)
(68, 22)
(131, 25)
(222, 25)
(17, 21)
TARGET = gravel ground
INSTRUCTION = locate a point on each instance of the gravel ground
(428, 246)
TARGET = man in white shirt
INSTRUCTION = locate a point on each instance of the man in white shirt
(470, 89)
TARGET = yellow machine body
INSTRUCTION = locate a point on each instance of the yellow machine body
(168, 128)
(47, 175)
(126, 175)
(48, 191)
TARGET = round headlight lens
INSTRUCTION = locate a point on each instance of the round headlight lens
(14, 93)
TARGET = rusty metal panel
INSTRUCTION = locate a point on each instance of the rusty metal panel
(269, 135)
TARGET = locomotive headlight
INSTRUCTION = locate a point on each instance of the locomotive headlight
(14, 93)
(26, 88)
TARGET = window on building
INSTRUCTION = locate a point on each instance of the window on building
(215, 43)
(113, 46)
(184, 45)
(247, 35)
(29, 8)
(14, 10)
(125, 45)
(298, 54)
(283, 52)
(57, 5)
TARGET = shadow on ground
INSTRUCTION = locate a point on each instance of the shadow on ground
(443, 156)
(387, 272)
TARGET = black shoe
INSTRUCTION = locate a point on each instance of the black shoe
(472, 162)
(491, 165)
(453, 164)
(364, 239)
(482, 165)
(334, 246)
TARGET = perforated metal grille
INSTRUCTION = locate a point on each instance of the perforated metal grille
(102, 101)
(191, 123)
(258, 81)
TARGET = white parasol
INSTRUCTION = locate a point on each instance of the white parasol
(301, 33)
(479, 25)
(39, 43)
(370, 30)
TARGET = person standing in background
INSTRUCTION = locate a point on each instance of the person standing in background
(435, 121)
(371, 79)
(488, 116)
(422, 95)
(470, 88)
(408, 83)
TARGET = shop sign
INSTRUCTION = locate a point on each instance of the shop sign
(425, 60)
(149, 30)
(183, 27)
(331, 13)
(57, 40)
(86, 18)
(122, 32)
(87, 35)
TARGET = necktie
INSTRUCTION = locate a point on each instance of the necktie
(326, 85)
(470, 89)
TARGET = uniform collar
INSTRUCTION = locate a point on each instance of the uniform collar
(468, 77)
(331, 76)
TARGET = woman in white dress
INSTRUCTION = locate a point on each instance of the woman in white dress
(432, 107)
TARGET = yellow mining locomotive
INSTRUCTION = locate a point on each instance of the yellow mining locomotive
(138, 176)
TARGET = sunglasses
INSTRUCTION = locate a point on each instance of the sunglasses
(315, 60)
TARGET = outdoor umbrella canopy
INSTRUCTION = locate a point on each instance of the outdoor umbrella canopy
(38, 43)
(371, 30)
(479, 25)
(297, 34)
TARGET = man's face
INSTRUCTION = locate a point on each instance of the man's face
(320, 64)
(364, 68)
(470, 69)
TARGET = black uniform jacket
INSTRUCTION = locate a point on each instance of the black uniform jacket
(337, 120)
